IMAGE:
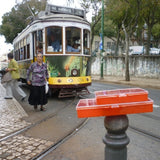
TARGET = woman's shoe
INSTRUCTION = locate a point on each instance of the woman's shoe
(8, 97)
(42, 108)
(23, 99)
(35, 107)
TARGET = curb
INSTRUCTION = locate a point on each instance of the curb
(128, 83)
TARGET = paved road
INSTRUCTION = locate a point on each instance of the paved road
(87, 143)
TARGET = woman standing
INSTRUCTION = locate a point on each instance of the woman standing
(39, 78)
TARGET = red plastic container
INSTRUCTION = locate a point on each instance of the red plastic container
(89, 108)
(121, 96)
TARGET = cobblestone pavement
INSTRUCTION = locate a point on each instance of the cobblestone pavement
(17, 147)
(11, 114)
(22, 148)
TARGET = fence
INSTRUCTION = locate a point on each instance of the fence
(139, 66)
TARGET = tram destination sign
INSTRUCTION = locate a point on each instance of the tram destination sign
(65, 10)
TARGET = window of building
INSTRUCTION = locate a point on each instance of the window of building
(108, 45)
(97, 45)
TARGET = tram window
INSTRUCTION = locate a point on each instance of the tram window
(39, 41)
(25, 56)
(40, 48)
(16, 55)
(54, 39)
(19, 54)
(73, 39)
(22, 54)
(40, 36)
(28, 47)
(86, 42)
(28, 51)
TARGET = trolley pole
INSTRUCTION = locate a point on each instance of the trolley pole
(102, 37)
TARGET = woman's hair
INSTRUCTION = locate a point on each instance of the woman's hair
(10, 55)
(39, 53)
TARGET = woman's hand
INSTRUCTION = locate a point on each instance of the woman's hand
(9, 69)
(29, 82)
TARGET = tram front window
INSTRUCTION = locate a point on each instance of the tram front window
(54, 39)
(73, 39)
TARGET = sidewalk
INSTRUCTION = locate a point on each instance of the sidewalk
(11, 115)
(139, 82)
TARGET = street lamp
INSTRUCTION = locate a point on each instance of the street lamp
(102, 37)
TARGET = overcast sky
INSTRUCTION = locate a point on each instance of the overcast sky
(7, 6)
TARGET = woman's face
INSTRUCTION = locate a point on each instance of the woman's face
(39, 57)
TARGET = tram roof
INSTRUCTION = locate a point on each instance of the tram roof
(49, 15)
(59, 13)
(64, 10)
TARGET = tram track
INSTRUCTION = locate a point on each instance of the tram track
(36, 123)
(61, 140)
(80, 126)
(154, 117)
(144, 133)
(14, 137)
(148, 129)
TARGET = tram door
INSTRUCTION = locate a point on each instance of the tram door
(37, 38)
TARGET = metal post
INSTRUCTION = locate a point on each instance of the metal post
(116, 139)
(102, 33)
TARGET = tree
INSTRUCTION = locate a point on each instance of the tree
(115, 13)
(156, 33)
(94, 6)
(15, 21)
(151, 14)
(124, 14)
(129, 24)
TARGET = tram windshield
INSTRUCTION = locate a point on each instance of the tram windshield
(73, 39)
(54, 39)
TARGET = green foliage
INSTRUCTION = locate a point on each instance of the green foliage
(109, 28)
(16, 20)
(156, 33)
(156, 30)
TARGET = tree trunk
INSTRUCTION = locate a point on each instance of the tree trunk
(117, 42)
(127, 76)
(148, 39)
(140, 39)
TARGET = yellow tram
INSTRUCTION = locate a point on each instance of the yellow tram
(62, 34)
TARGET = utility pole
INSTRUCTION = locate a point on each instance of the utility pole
(102, 37)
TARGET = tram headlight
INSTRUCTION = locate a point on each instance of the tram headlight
(74, 72)
(69, 80)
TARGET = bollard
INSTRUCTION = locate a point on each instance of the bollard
(115, 105)
(116, 139)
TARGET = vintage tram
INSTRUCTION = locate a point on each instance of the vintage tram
(62, 34)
